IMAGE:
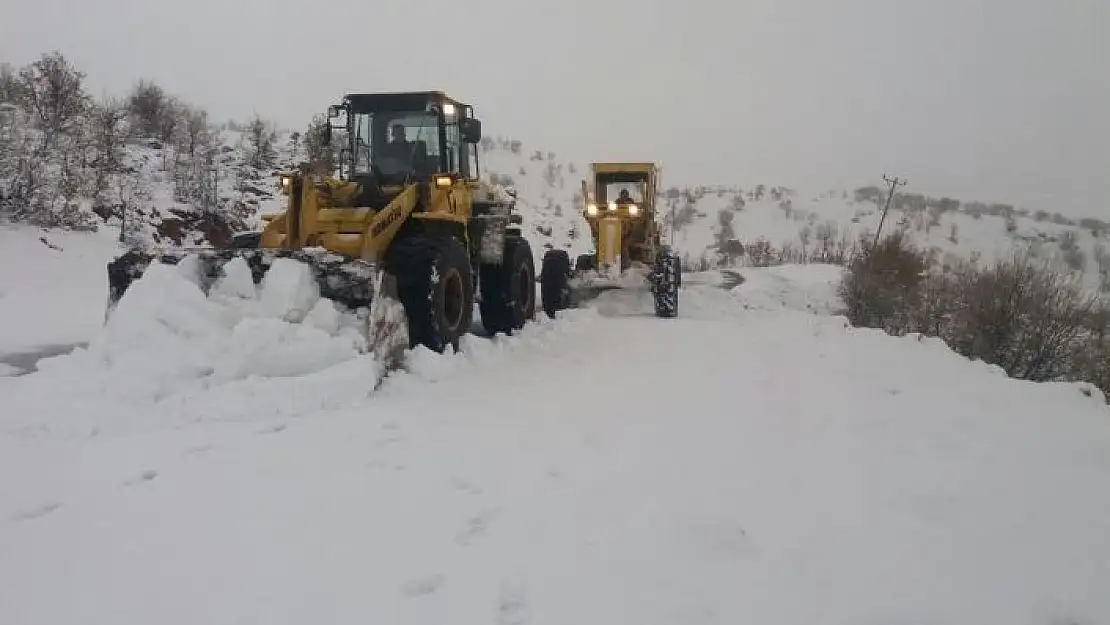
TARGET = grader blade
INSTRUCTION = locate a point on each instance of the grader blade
(353, 284)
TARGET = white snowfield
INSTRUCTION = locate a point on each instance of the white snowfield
(754, 460)
(53, 285)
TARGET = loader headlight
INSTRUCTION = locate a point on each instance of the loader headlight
(591, 209)
(633, 210)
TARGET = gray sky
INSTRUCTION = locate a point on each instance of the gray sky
(1004, 100)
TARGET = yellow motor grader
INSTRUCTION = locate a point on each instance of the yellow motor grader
(406, 234)
(619, 204)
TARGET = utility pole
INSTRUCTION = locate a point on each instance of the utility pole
(894, 183)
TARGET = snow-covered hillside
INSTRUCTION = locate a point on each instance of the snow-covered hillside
(718, 226)
(206, 461)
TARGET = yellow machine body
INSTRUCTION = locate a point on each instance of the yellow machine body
(624, 232)
(406, 230)
(325, 213)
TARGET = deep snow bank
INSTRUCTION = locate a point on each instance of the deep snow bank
(51, 293)
(169, 354)
(166, 343)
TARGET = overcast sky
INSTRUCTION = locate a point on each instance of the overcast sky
(1004, 100)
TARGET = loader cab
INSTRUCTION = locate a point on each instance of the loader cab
(396, 139)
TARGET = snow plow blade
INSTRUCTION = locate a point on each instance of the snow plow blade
(353, 284)
(589, 285)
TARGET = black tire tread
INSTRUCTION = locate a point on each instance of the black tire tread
(555, 281)
(502, 307)
(412, 260)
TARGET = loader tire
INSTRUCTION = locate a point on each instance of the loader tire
(666, 274)
(435, 286)
(555, 281)
(509, 289)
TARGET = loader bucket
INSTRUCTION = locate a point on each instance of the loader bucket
(352, 283)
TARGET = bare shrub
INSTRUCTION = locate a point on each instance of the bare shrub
(10, 91)
(1031, 318)
(1025, 316)
(882, 287)
(53, 92)
(147, 104)
(761, 253)
(261, 136)
(320, 154)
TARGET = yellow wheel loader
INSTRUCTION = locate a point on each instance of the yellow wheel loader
(406, 234)
(620, 205)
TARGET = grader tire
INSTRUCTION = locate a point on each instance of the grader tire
(666, 274)
(555, 281)
(509, 289)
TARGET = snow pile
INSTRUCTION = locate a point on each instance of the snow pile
(53, 285)
(168, 354)
(167, 341)
(283, 329)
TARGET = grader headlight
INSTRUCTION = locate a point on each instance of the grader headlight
(591, 210)
(612, 206)
(633, 210)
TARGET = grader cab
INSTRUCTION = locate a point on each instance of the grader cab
(619, 203)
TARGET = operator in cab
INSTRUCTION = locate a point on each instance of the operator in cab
(400, 156)
(399, 145)
(624, 197)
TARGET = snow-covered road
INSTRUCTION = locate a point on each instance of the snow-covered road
(737, 464)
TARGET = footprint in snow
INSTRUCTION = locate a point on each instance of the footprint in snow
(512, 605)
(36, 513)
(273, 429)
(465, 486)
(422, 586)
(199, 449)
(475, 527)
(145, 476)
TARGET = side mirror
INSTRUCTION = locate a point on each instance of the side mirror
(344, 155)
(470, 129)
(327, 134)
(511, 192)
(333, 111)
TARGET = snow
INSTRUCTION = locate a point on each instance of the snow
(764, 463)
(51, 295)
(166, 344)
(794, 287)
(241, 458)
